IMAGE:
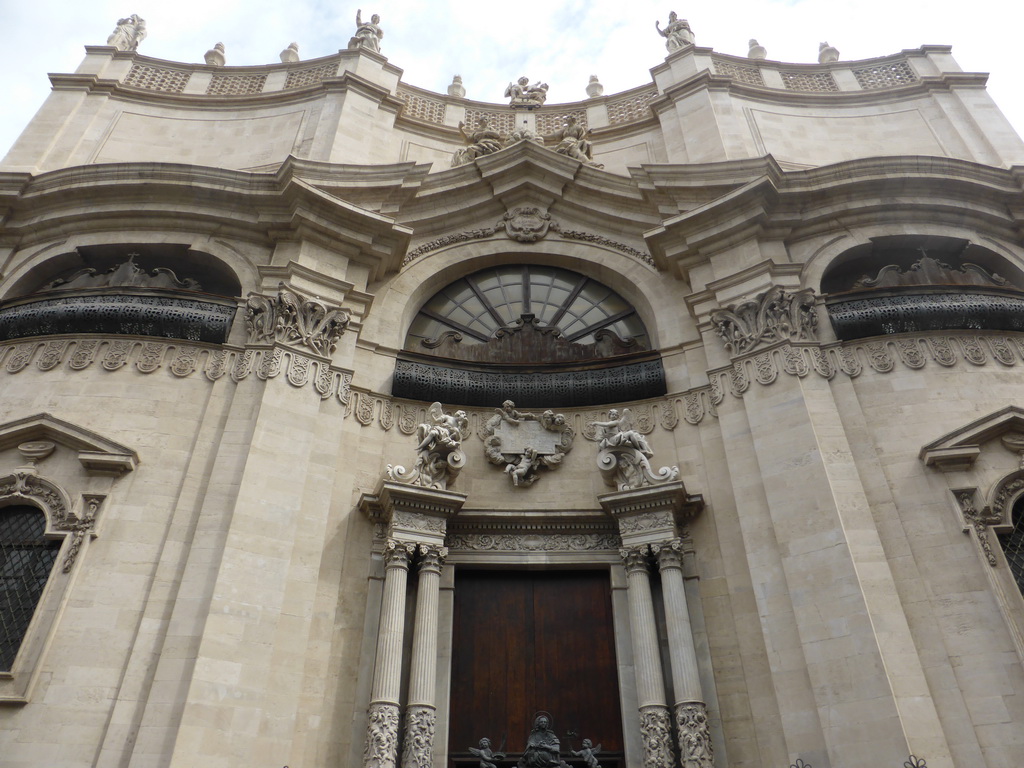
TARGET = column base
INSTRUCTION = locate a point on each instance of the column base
(656, 732)
(381, 749)
(418, 749)
(695, 748)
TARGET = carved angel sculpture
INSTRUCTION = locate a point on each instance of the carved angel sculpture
(624, 454)
(368, 34)
(439, 456)
(486, 755)
(588, 752)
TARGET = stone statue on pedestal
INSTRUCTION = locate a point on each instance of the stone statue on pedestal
(624, 454)
(368, 35)
(677, 32)
(522, 94)
(542, 747)
(128, 33)
(439, 456)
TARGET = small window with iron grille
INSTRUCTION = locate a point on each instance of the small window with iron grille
(26, 559)
(1013, 543)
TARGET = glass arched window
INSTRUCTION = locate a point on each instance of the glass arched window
(26, 559)
(479, 305)
(538, 335)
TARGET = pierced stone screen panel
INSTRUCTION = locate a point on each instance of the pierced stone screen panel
(422, 108)
(157, 78)
(26, 559)
(631, 108)
(738, 72)
(236, 85)
(502, 122)
(300, 78)
(821, 82)
(885, 76)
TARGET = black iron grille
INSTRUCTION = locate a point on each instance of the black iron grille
(26, 559)
(1013, 546)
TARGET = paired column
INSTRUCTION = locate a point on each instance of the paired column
(381, 749)
(695, 748)
(655, 723)
(421, 713)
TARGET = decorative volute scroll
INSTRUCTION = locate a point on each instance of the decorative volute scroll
(127, 273)
(775, 315)
(439, 456)
(624, 454)
(294, 319)
(522, 443)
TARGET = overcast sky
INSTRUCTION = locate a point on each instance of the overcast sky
(490, 43)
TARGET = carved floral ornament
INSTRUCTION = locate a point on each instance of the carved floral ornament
(294, 319)
(775, 315)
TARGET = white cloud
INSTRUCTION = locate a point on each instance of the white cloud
(561, 42)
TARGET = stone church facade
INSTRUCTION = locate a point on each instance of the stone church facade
(349, 424)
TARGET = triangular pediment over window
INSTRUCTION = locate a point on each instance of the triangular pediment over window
(96, 453)
(958, 449)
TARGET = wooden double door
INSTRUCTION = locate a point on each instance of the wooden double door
(525, 641)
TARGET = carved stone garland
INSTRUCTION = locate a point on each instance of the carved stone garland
(294, 319)
(523, 442)
(978, 521)
(775, 315)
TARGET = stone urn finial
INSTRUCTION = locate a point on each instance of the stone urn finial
(594, 87)
(290, 54)
(827, 53)
(215, 56)
(456, 88)
(757, 51)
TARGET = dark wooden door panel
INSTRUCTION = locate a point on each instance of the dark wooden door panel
(533, 640)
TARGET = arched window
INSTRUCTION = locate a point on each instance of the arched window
(1013, 543)
(538, 335)
(26, 559)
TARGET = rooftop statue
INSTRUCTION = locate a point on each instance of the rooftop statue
(677, 32)
(522, 94)
(368, 35)
(574, 141)
(128, 33)
(827, 53)
(483, 141)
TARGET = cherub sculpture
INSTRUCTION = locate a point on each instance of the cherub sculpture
(588, 752)
(677, 32)
(523, 442)
(368, 34)
(623, 454)
(524, 471)
(574, 141)
(439, 456)
(485, 753)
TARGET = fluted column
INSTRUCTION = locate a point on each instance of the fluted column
(655, 724)
(381, 749)
(421, 714)
(691, 714)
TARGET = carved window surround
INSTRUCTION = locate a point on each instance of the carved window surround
(79, 470)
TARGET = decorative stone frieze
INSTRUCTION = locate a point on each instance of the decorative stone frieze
(294, 319)
(775, 315)
(534, 542)
(412, 513)
(522, 443)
